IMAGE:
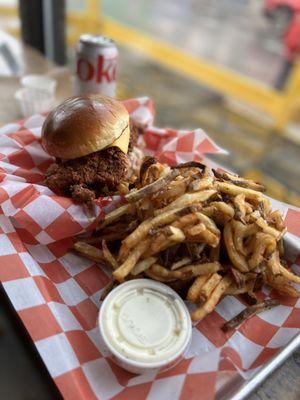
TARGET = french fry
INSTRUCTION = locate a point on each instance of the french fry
(194, 291)
(200, 184)
(241, 232)
(237, 259)
(173, 190)
(255, 214)
(239, 181)
(117, 231)
(148, 163)
(234, 290)
(133, 257)
(142, 230)
(189, 219)
(274, 263)
(145, 204)
(152, 187)
(187, 199)
(174, 234)
(233, 190)
(219, 210)
(123, 188)
(210, 211)
(266, 204)
(143, 265)
(263, 241)
(237, 235)
(108, 256)
(204, 236)
(212, 301)
(116, 214)
(192, 164)
(208, 222)
(195, 230)
(168, 231)
(187, 272)
(268, 229)
(223, 208)
(248, 313)
(89, 239)
(290, 276)
(110, 236)
(249, 276)
(238, 277)
(275, 218)
(280, 247)
(250, 243)
(88, 251)
(240, 207)
(248, 207)
(285, 288)
(281, 284)
(184, 261)
(209, 286)
(163, 241)
(200, 268)
(158, 278)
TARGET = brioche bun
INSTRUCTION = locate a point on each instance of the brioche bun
(83, 125)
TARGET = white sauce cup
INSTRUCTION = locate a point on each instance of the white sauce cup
(145, 326)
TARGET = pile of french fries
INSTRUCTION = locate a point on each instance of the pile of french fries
(205, 233)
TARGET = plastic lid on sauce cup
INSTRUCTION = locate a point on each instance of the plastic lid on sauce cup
(145, 325)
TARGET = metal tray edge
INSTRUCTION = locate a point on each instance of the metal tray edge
(241, 388)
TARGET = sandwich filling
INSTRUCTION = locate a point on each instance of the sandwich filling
(86, 178)
(96, 174)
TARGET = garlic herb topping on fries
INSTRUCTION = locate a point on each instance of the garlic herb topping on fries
(205, 233)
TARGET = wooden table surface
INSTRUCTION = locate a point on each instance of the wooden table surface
(24, 376)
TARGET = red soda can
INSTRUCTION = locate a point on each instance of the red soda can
(96, 63)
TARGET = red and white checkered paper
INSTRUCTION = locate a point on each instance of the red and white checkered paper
(56, 293)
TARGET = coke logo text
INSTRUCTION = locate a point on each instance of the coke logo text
(101, 70)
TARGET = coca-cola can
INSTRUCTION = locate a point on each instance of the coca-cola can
(96, 63)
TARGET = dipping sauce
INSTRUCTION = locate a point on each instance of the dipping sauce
(145, 325)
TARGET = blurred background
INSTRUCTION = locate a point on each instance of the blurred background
(228, 66)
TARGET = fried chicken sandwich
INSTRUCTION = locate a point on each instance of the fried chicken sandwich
(90, 137)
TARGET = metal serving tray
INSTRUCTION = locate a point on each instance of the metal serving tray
(238, 388)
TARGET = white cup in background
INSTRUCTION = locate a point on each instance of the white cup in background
(30, 103)
(37, 94)
(39, 83)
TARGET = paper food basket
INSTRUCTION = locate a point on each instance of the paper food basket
(56, 293)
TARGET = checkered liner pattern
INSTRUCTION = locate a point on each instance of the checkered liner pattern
(56, 293)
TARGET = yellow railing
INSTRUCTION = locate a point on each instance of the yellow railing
(279, 106)
(8, 11)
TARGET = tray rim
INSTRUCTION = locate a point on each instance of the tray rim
(239, 388)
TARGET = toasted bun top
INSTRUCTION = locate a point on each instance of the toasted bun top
(83, 125)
